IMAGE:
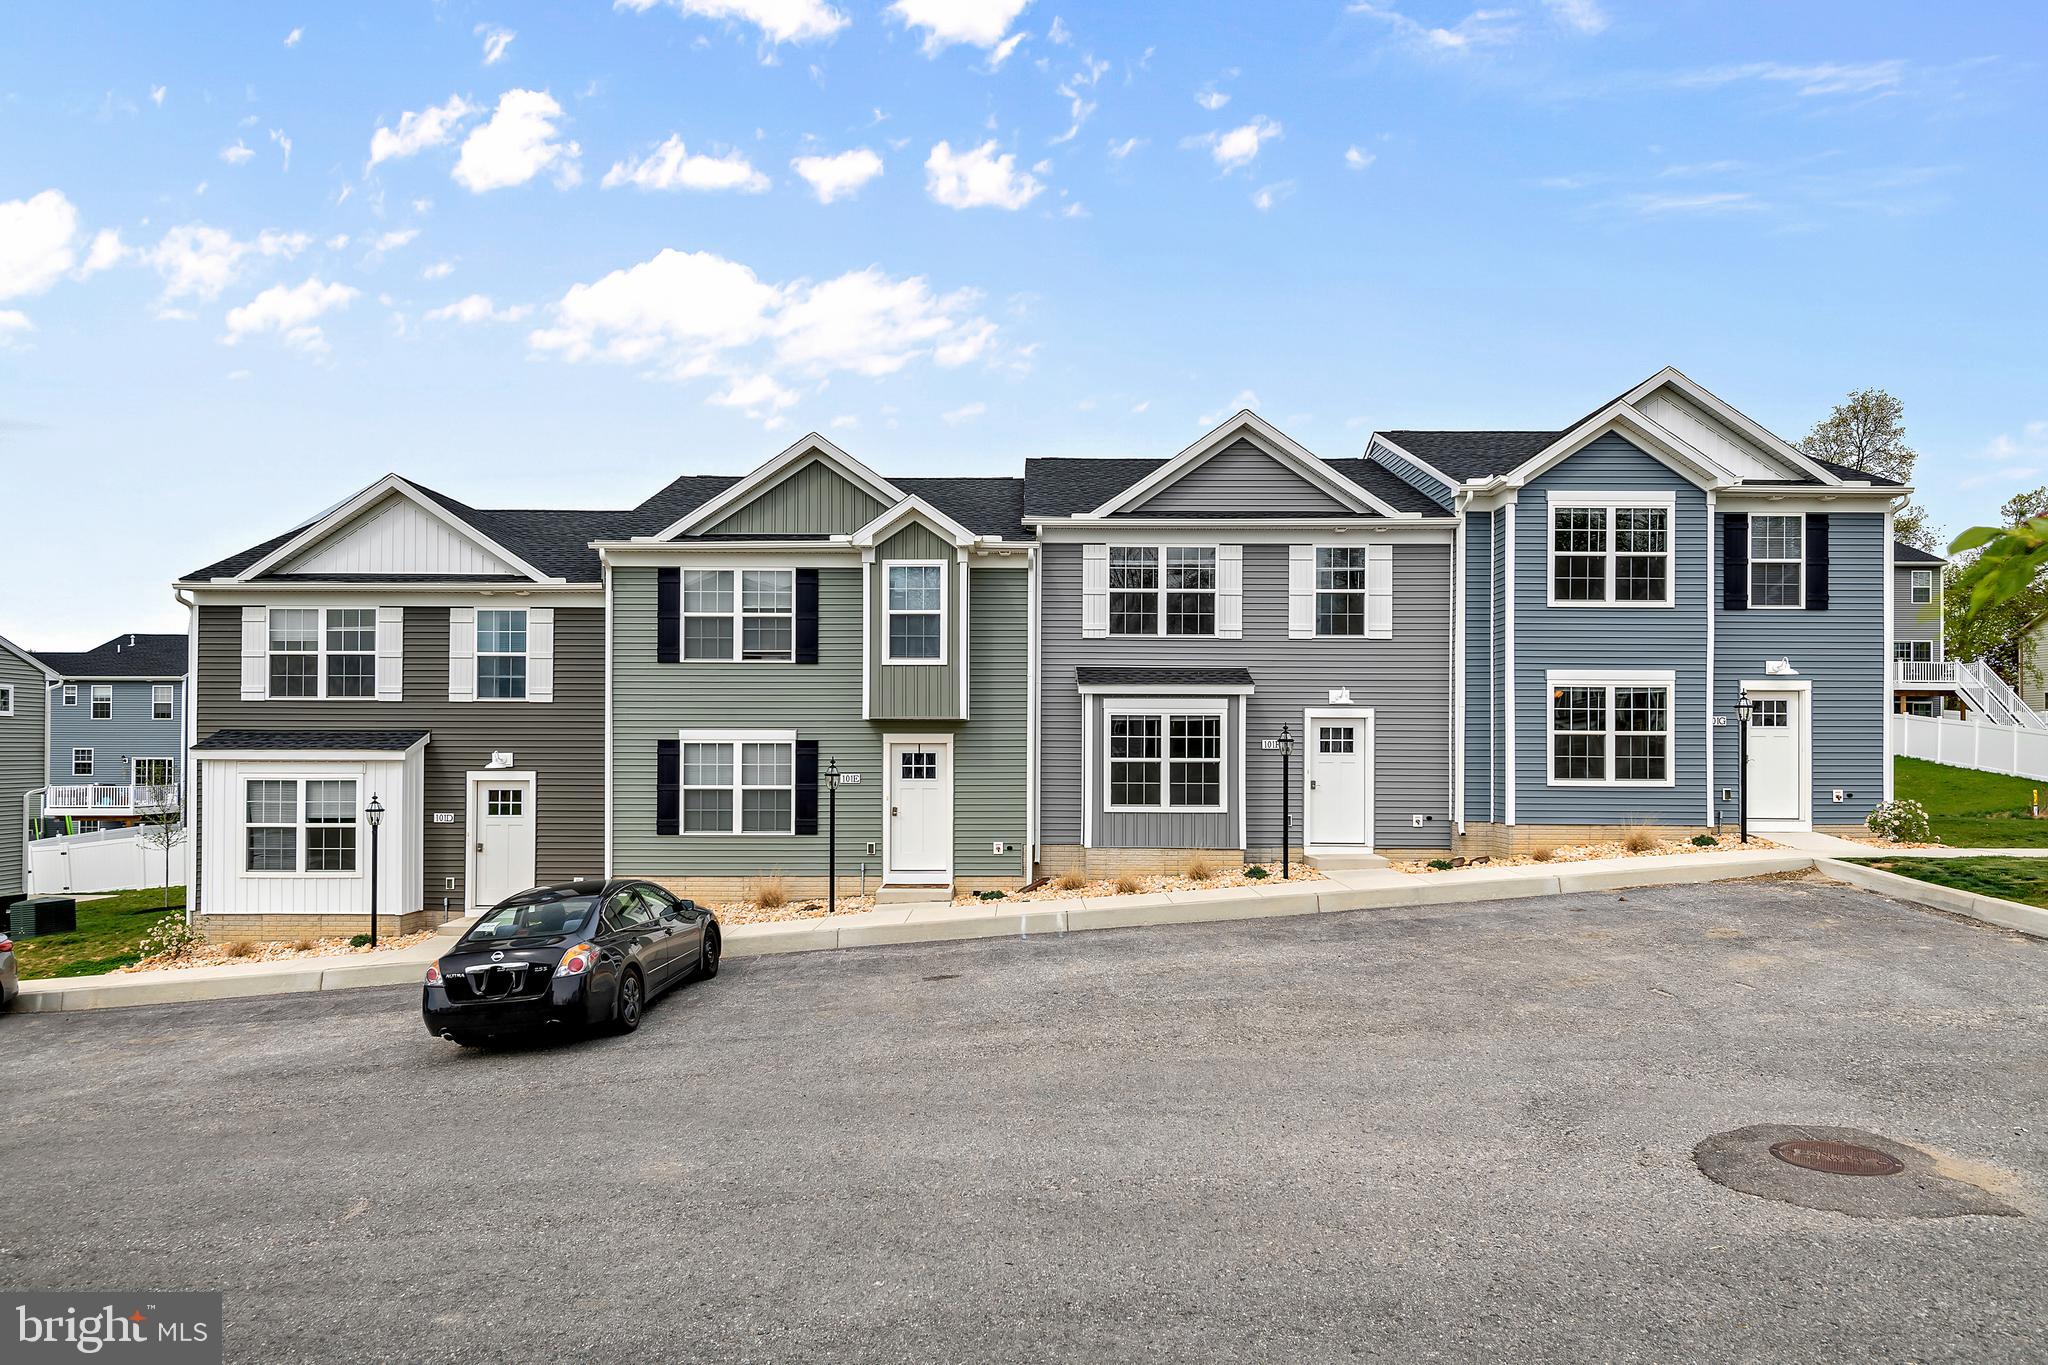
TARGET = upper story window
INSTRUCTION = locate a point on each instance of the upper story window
(1913, 651)
(1610, 553)
(1162, 590)
(1610, 734)
(501, 654)
(102, 701)
(71, 694)
(754, 609)
(322, 653)
(916, 608)
(1923, 587)
(1341, 585)
(1777, 556)
(6, 699)
(160, 701)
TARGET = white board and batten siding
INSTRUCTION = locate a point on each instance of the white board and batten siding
(1713, 438)
(398, 536)
(398, 782)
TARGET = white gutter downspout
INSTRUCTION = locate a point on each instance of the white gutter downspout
(186, 774)
(1713, 559)
(1458, 501)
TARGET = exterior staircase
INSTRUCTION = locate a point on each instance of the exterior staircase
(1988, 696)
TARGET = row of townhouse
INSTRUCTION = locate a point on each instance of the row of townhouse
(1477, 640)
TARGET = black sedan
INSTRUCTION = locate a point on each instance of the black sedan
(568, 957)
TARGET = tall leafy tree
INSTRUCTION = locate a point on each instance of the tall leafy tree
(1868, 432)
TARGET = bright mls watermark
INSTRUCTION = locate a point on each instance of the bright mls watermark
(175, 1329)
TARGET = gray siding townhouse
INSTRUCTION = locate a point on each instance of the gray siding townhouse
(815, 615)
(24, 720)
(1191, 608)
(1923, 682)
(441, 660)
(117, 729)
(1623, 582)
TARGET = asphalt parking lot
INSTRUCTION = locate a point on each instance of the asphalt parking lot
(1428, 1134)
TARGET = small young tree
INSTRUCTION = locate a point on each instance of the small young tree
(160, 824)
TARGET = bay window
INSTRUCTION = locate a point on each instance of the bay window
(296, 824)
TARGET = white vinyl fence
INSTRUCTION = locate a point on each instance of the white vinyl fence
(1972, 744)
(104, 860)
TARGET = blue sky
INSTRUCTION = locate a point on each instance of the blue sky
(556, 255)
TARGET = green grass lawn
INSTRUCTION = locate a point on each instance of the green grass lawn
(1972, 809)
(2014, 879)
(109, 935)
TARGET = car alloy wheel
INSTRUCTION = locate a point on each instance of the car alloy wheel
(708, 966)
(629, 1002)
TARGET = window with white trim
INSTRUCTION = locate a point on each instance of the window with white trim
(1913, 651)
(1777, 560)
(71, 694)
(323, 653)
(915, 612)
(1164, 760)
(754, 609)
(81, 763)
(294, 824)
(1610, 734)
(1610, 553)
(6, 699)
(160, 701)
(500, 655)
(155, 772)
(1162, 590)
(102, 701)
(1341, 585)
(731, 784)
(1922, 587)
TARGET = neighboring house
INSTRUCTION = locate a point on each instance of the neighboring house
(1923, 680)
(816, 614)
(117, 729)
(24, 722)
(1191, 608)
(1621, 582)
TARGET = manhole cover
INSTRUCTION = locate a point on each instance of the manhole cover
(1837, 1158)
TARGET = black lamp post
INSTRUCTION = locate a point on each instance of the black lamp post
(831, 836)
(374, 813)
(1286, 743)
(1744, 707)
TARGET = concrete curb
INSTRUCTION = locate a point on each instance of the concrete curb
(2027, 919)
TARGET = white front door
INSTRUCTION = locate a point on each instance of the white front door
(1339, 762)
(920, 812)
(504, 838)
(1777, 754)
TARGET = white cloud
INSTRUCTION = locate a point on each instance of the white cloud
(1246, 401)
(156, 95)
(396, 238)
(1210, 98)
(477, 308)
(290, 311)
(670, 167)
(439, 270)
(36, 237)
(1481, 28)
(1004, 49)
(106, 252)
(969, 343)
(1239, 146)
(1727, 201)
(197, 261)
(284, 142)
(838, 176)
(978, 178)
(516, 145)
(758, 395)
(1824, 78)
(1357, 158)
(416, 132)
(1268, 195)
(1059, 32)
(496, 40)
(869, 323)
(684, 307)
(966, 412)
(1119, 150)
(14, 324)
(780, 21)
(236, 154)
(1584, 15)
(292, 39)
(980, 23)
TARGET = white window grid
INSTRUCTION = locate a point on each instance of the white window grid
(1613, 550)
(6, 699)
(160, 701)
(71, 694)
(1922, 587)
(1158, 757)
(914, 593)
(1162, 590)
(1777, 561)
(102, 701)
(1343, 578)
(1913, 651)
(81, 763)
(743, 615)
(501, 639)
(1601, 728)
(154, 772)
(737, 782)
(321, 653)
(301, 826)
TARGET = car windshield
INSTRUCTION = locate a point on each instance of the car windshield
(543, 919)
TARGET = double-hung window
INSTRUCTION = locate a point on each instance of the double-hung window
(300, 824)
(71, 694)
(1777, 554)
(1162, 590)
(1923, 587)
(1610, 552)
(81, 763)
(317, 652)
(500, 655)
(1164, 760)
(1610, 733)
(6, 699)
(733, 784)
(155, 772)
(916, 612)
(160, 701)
(1913, 651)
(1341, 585)
(102, 701)
(753, 609)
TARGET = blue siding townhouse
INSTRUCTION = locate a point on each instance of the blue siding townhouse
(117, 728)
(1622, 583)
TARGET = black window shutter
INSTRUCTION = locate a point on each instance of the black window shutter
(1735, 562)
(668, 783)
(807, 773)
(807, 616)
(1817, 561)
(668, 616)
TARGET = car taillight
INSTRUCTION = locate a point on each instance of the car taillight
(434, 974)
(577, 960)
(6, 944)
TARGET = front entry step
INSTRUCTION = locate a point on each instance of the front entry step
(1346, 862)
(912, 895)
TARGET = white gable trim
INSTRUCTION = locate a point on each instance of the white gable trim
(1733, 417)
(1620, 417)
(1270, 440)
(31, 660)
(1380, 438)
(911, 508)
(326, 525)
(772, 473)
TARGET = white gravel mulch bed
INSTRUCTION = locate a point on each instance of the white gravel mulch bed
(1583, 853)
(227, 954)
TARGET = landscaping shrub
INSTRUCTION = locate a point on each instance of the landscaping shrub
(1904, 821)
(1704, 841)
(1542, 853)
(241, 947)
(1438, 864)
(1257, 873)
(1127, 884)
(170, 936)
(1198, 868)
(1073, 879)
(990, 895)
(769, 893)
(359, 941)
(1640, 839)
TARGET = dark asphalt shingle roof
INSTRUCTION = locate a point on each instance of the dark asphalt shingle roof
(1063, 485)
(263, 741)
(124, 656)
(1163, 677)
(1469, 455)
(1902, 553)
